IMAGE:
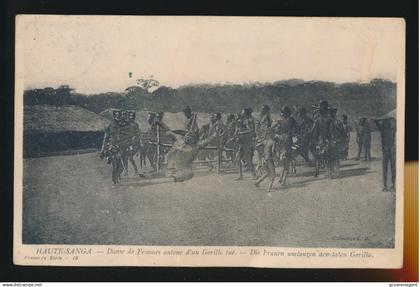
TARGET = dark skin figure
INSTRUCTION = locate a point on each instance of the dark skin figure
(268, 161)
(246, 132)
(289, 130)
(363, 138)
(387, 129)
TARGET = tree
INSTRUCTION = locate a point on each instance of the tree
(147, 84)
(64, 90)
(133, 89)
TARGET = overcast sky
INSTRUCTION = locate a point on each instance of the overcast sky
(96, 54)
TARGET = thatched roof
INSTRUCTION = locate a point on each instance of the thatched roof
(52, 119)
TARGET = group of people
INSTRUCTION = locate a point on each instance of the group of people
(322, 140)
(121, 143)
(296, 133)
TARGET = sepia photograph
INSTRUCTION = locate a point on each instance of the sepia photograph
(209, 141)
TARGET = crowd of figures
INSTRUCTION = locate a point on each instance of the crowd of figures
(321, 139)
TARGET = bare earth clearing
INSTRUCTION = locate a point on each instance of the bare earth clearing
(70, 200)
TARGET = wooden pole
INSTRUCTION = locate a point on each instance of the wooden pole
(104, 142)
(158, 149)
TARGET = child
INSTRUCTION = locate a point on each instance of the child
(268, 160)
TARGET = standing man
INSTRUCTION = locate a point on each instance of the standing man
(246, 139)
(387, 128)
(191, 128)
(288, 129)
(364, 138)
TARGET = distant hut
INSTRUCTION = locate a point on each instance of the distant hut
(49, 129)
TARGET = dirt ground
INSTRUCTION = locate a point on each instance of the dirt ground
(70, 200)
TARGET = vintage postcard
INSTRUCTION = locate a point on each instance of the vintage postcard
(209, 141)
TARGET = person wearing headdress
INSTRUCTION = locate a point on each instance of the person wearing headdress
(387, 127)
(110, 134)
(320, 135)
(191, 128)
(246, 138)
(111, 146)
(126, 133)
(363, 138)
(288, 131)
